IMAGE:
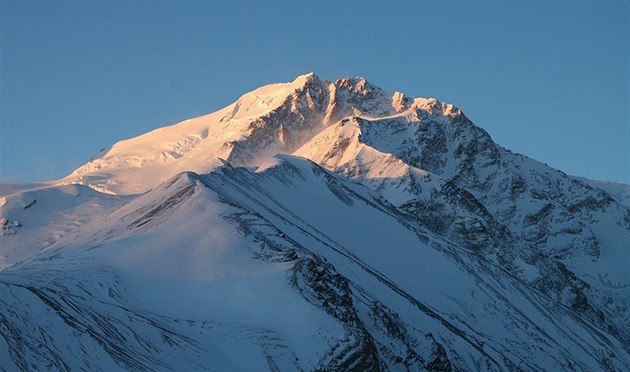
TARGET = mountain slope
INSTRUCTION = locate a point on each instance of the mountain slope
(271, 262)
(274, 118)
(36, 216)
(559, 233)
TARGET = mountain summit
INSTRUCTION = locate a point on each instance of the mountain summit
(316, 225)
(277, 118)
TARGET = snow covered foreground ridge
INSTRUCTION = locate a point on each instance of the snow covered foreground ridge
(398, 236)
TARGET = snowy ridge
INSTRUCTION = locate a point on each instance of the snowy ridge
(332, 266)
(619, 191)
(392, 234)
(33, 219)
(540, 223)
(272, 119)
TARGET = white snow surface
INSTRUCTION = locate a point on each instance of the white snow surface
(34, 218)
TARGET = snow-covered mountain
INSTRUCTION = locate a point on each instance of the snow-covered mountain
(316, 225)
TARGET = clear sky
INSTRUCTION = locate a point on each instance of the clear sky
(546, 79)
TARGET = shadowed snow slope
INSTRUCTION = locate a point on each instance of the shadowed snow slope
(282, 258)
(315, 225)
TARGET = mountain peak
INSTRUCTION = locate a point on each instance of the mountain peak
(306, 78)
(358, 85)
(275, 118)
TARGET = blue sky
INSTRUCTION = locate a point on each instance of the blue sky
(546, 79)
